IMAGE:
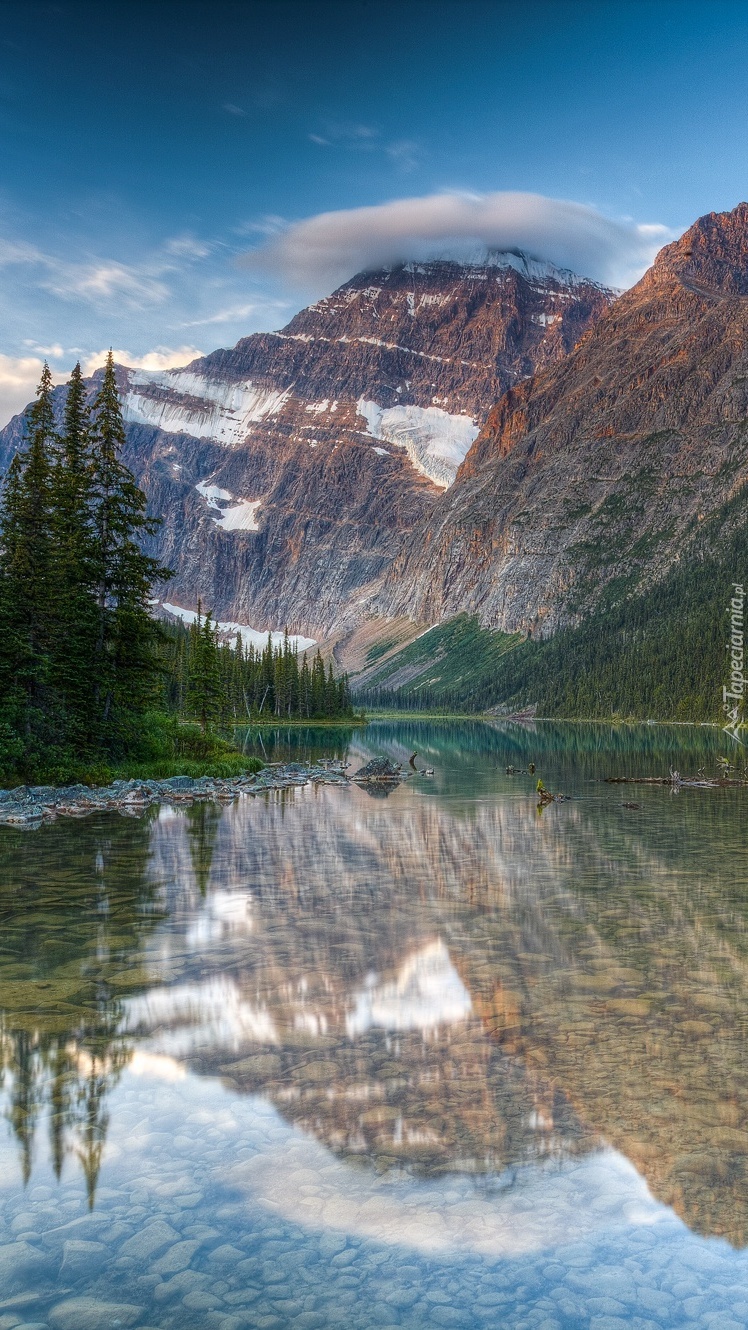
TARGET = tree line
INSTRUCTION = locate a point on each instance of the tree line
(218, 682)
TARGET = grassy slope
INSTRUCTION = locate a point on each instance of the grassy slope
(444, 667)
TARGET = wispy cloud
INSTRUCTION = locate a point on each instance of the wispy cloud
(324, 250)
(231, 109)
(18, 251)
(236, 313)
(348, 133)
(102, 282)
(404, 153)
(187, 247)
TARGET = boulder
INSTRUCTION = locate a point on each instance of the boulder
(380, 768)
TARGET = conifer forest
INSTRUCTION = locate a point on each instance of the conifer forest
(87, 674)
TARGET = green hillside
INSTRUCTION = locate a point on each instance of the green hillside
(659, 653)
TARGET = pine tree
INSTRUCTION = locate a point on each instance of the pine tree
(126, 665)
(27, 590)
(318, 687)
(204, 693)
(305, 690)
(75, 623)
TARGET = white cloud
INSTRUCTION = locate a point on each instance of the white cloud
(187, 247)
(104, 281)
(236, 313)
(322, 251)
(19, 380)
(20, 375)
(162, 357)
(54, 352)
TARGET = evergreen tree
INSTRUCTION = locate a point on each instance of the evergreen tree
(27, 590)
(75, 621)
(125, 664)
(204, 693)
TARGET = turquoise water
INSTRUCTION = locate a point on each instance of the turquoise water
(440, 1058)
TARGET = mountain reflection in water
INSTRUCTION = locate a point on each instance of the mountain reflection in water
(441, 984)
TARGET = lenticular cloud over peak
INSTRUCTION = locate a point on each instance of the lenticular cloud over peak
(323, 251)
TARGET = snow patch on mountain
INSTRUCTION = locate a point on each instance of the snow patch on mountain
(242, 517)
(435, 441)
(212, 492)
(250, 636)
(181, 402)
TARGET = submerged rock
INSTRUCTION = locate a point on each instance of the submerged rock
(90, 1314)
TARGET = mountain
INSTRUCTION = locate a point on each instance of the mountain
(291, 469)
(590, 481)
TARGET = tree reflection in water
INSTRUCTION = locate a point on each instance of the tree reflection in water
(76, 901)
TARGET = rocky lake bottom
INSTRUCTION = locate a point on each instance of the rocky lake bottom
(417, 1054)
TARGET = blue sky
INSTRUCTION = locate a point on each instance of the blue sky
(148, 147)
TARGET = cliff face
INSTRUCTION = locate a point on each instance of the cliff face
(598, 470)
(290, 469)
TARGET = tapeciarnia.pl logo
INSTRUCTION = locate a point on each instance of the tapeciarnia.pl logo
(733, 694)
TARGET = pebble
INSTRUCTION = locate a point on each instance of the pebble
(177, 1258)
(226, 1255)
(201, 1301)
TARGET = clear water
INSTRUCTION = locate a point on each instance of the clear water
(434, 1059)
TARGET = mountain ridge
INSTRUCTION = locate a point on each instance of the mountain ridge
(291, 468)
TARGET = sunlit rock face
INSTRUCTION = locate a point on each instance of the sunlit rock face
(604, 464)
(289, 469)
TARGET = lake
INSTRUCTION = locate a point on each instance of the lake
(331, 1057)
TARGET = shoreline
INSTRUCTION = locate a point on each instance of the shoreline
(26, 808)
(278, 723)
(489, 716)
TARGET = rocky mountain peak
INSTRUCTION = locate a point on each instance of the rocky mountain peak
(599, 471)
(711, 255)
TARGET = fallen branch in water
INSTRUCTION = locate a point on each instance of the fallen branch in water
(693, 782)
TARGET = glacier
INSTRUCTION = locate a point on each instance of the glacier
(435, 441)
(182, 402)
